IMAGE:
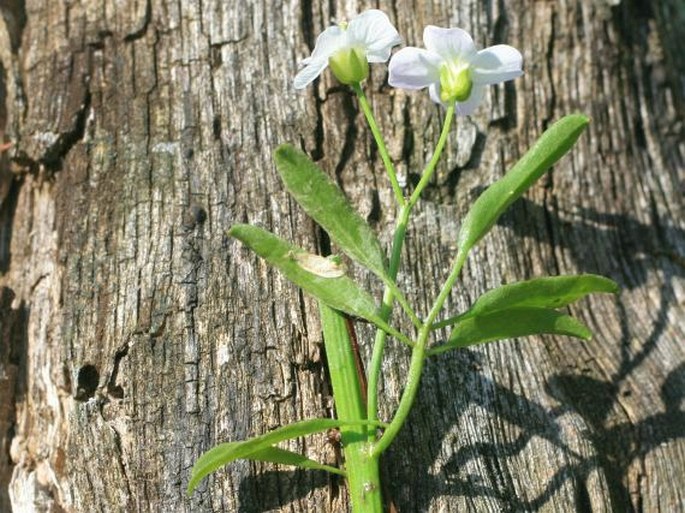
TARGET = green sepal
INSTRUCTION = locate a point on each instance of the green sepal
(349, 65)
(510, 323)
(550, 147)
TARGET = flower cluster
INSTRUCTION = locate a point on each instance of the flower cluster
(450, 66)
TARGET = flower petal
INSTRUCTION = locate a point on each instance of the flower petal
(467, 107)
(496, 64)
(434, 93)
(373, 31)
(309, 73)
(329, 41)
(451, 44)
(414, 68)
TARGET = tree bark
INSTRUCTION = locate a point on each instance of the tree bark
(136, 335)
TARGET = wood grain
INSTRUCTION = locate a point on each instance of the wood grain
(142, 129)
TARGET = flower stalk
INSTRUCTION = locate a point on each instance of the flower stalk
(456, 75)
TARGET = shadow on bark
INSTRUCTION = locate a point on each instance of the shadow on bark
(13, 353)
(617, 447)
(275, 489)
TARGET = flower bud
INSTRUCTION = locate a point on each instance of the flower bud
(349, 65)
(455, 83)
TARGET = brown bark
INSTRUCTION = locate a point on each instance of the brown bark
(138, 335)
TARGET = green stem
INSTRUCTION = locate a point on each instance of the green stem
(430, 168)
(396, 293)
(361, 466)
(368, 113)
(417, 360)
(386, 307)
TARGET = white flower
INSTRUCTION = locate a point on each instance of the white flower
(350, 47)
(452, 68)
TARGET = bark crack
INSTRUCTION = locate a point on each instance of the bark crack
(54, 155)
(141, 31)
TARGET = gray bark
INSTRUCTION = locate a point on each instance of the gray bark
(135, 335)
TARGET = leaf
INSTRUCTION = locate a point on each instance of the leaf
(549, 292)
(277, 455)
(552, 145)
(510, 323)
(261, 447)
(338, 292)
(324, 202)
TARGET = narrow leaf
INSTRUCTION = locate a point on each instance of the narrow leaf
(514, 322)
(323, 200)
(259, 447)
(552, 145)
(280, 456)
(549, 292)
(338, 292)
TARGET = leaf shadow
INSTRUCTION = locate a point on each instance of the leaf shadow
(274, 489)
(616, 446)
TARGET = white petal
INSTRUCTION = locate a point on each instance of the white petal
(434, 92)
(496, 64)
(310, 72)
(451, 44)
(373, 31)
(414, 68)
(467, 107)
(329, 41)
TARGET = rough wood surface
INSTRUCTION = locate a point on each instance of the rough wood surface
(141, 335)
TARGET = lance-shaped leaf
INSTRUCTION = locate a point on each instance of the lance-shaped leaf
(268, 454)
(548, 292)
(262, 448)
(552, 145)
(510, 323)
(306, 271)
(324, 202)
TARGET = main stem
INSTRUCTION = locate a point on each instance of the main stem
(363, 476)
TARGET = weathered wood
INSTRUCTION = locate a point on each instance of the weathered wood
(142, 129)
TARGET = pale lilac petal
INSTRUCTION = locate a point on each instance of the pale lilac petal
(373, 31)
(451, 44)
(496, 64)
(309, 73)
(467, 107)
(434, 93)
(414, 68)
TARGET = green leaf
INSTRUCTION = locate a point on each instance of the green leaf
(337, 291)
(274, 455)
(549, 292)
(323, 200)
(510, 323)
(552, 145)
(261, 447)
